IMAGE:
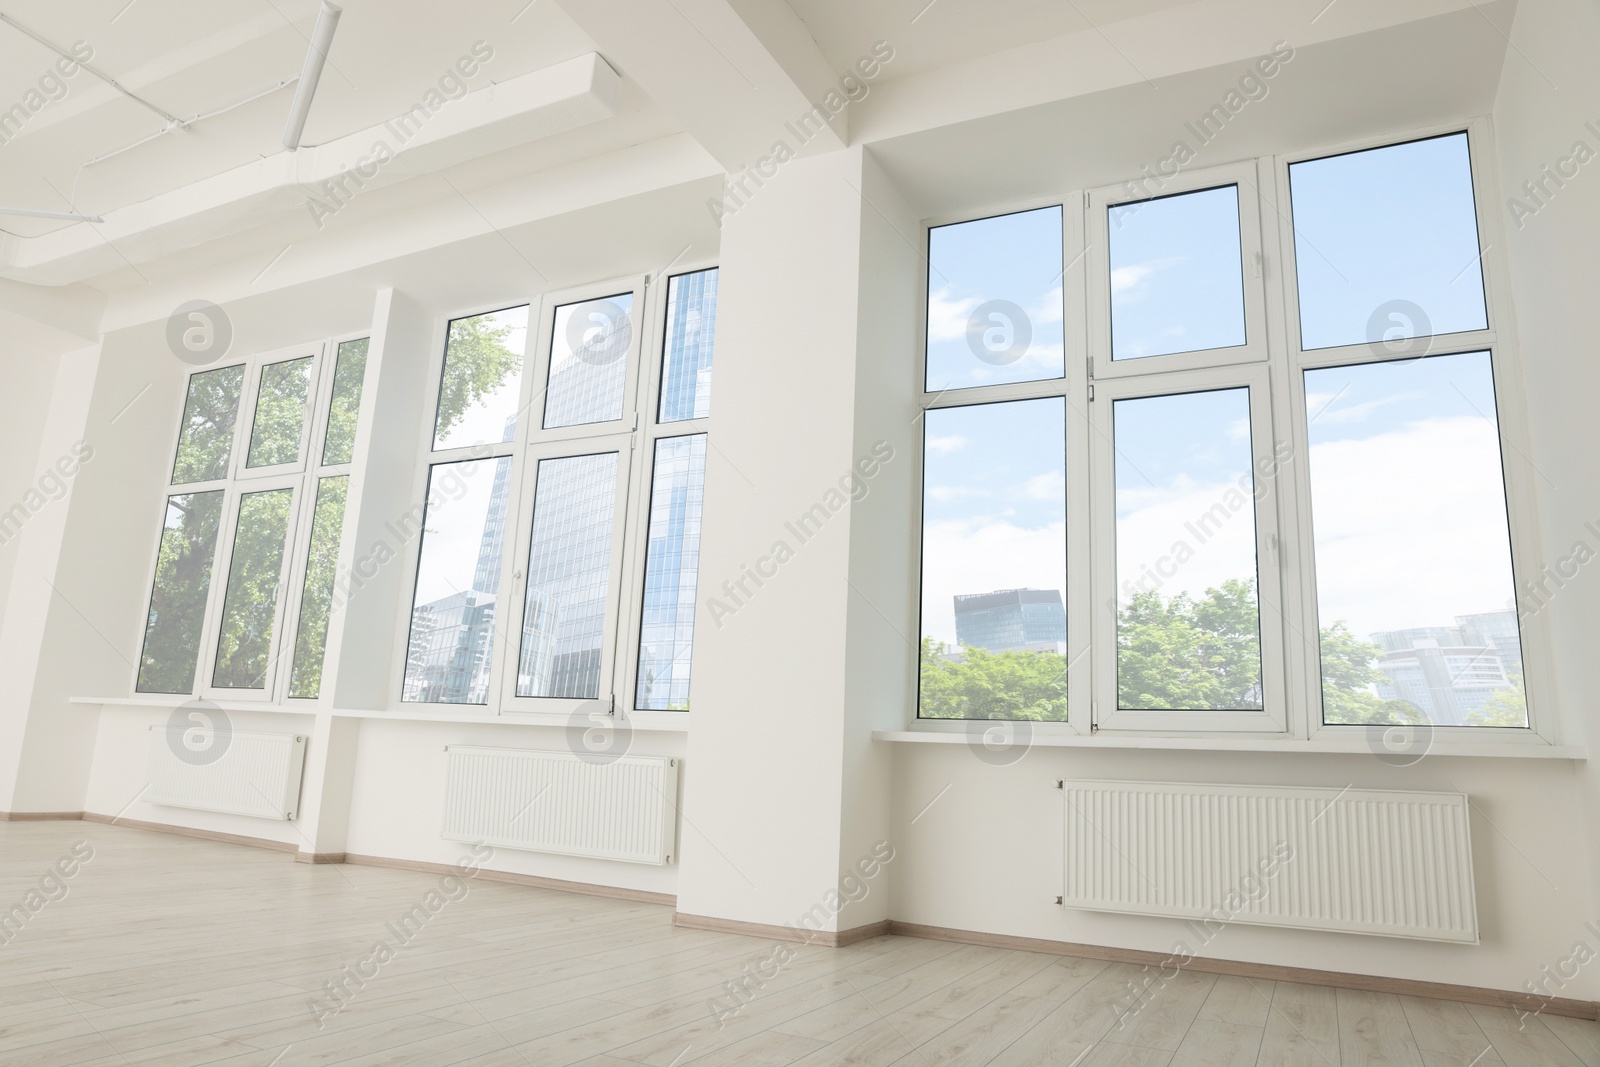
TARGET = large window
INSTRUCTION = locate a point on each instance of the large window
(563, 489)
(252, 525)
(1264, 489)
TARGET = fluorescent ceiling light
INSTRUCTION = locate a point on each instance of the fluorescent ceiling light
(316, 56)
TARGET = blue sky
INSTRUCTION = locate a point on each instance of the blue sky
(1394, 223)
(1177, 282)
(1408, 496)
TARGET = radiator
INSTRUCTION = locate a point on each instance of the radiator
(1353, 860)
(257, 774)
(556, 802)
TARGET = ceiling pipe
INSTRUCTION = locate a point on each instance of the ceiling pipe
(34, 213)
(102, 75)
(316, 56)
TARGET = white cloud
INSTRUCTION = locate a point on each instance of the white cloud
(1238, 430)
(1126, 281)
(943, 493)
(1325, 408)
(1214, 523)
(1052, 485)
(947, 444)
(947, 317)
(1410, 525)
(1050, 309)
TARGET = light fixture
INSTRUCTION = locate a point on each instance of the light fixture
(316, 56)
(34, 213)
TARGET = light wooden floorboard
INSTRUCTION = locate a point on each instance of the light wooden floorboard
(176, 952)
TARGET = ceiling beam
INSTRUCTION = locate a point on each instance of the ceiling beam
(739, 76)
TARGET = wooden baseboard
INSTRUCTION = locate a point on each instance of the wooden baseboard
(1498, 998)
(190, 831)
(532, 881)
(319, 857)
(825, 938)
(40, 816)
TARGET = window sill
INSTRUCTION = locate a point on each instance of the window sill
(1353, 746)
(149, 701)
(641, 721)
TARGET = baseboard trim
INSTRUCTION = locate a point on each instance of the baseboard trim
(532, 881)
(40, 816)
(825, 938)
(190, 831)
(1497, 998)
(319, 857)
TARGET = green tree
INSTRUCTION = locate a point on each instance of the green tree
(178, 600)
(992, 685)
(209, 413)
(476, 364)
(280, 413)
(244, 639)
(316, 602)
(1506, 707)
(1349, 671)
(1187, 654)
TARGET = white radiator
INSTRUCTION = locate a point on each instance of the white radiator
(256, 774)
(1354, 860)
(556, 802)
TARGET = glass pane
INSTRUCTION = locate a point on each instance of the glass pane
(1416, 605)
(1177, 279)
(344, 409)
(994, 562)
(280, 413)
(209, 413)
(671, 567)
(686, 358)
(178, 600)
(994, 300)
(1386, 244)
(244, 640)
(482, 379)
(569, 575)
(589, 361)
(1188, 620)
(458, 579)
(316, 597)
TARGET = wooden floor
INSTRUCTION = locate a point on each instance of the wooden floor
(172, 952)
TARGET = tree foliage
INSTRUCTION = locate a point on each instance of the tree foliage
(1180, 653)
(1505, 707)
(178, 601)
(209, 414)
(477, 364)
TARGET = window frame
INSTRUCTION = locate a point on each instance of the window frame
(1246, 178)
(301, 477)
(1109, 715)
(633, 436)
(1274, 362)
(1499, 340)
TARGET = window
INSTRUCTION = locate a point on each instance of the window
(1196, 509)
(237, 509)
(549, 519)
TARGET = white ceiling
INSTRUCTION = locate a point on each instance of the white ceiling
(925, 35)
(194, 58)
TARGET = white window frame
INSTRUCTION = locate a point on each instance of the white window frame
(632, 436)
(1246, 178)
(301, 477)
(1273, 363)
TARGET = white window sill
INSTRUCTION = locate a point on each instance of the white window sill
(158, 701)
(641, 721)
(1356, 746)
